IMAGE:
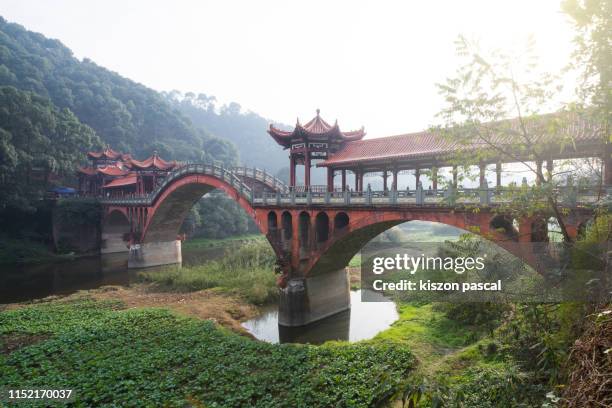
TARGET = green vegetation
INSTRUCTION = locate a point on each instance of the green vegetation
(37, 140)
(218, 216)
(14, 251)
(203, 243)
(247, 271)
(244, 129)
(154, 358)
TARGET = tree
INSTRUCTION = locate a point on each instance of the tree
(497, 107)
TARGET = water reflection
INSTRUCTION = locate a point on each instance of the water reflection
(363, 321)
(23, 282)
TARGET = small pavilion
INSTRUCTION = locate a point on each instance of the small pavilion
(114, 174)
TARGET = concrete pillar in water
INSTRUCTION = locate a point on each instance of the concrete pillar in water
(306, 300)
(113, 242)
(155, 254)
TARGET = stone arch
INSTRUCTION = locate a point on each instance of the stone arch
(174, 202)
(339, 250)
(322, 227)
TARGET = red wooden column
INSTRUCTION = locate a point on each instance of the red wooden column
(394, 185)
(434, 178)
(307, 170)
(361, 180)
(292, 171)
(417, 177)
(330, 179)
(343, 180)
(385, 180)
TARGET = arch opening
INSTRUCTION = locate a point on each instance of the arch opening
(304, 229)
(287, 226)
(341, 221)
(272, 221)
(322, 227)
(505, 226)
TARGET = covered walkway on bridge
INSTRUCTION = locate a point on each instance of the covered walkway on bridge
(422, 155)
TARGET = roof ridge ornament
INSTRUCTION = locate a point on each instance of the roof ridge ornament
(318, 112)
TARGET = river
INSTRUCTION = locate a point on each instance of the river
(25, 282)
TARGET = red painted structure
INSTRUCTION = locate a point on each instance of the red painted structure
(313, 236)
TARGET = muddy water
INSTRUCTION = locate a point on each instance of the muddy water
(363, 321)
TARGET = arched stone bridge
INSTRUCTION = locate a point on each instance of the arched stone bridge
(314, 235)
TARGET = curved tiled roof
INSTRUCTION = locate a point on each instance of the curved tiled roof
(412, 145)
(315, 127)
(153, 162)
(107, 153)
(433, 145)
(111, 170)
(122, 181)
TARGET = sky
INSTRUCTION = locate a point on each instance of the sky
(365, 63)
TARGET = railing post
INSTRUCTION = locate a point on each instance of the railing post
(347, 197)
(327, 197)
(292, 197)
(369, 195)
(309, 197)
(278, 198)
(252, 196)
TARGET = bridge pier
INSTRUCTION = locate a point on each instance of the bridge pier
(155, 254)
(113, 242)
(306, 300)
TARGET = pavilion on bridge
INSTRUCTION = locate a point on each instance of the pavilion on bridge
(343, 153)
(114, 174)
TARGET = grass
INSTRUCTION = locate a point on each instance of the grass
(458, 364)
(151, 357)
(428, 333)
(247, 271)
(201, 243)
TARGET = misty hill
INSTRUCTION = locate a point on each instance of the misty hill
(123, 113)
(246, 129)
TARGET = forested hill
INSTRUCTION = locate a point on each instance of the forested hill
(123, 113)
(246, 129)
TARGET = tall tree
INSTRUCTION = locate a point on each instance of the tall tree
(497, 107)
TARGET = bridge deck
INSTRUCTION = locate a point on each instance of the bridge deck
(570, 196)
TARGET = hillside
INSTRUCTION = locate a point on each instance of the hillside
(123, 113)
(247, 130)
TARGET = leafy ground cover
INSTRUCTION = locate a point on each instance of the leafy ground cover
(151, 357)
